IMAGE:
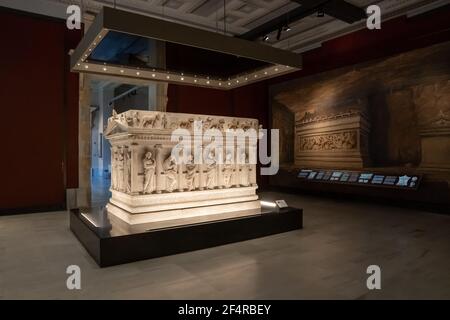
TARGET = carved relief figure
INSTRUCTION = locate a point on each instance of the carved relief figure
(152, 122)
(149, 173)
(246, 125)
(170, 170)
(210, 170)
(228, 170)
(208, 123)
(164, 122)
(157, 123)
(191, 173)
(186, 124)
(136, 119)
(120, 169)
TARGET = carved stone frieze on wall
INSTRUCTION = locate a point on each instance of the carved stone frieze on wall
(345, 140)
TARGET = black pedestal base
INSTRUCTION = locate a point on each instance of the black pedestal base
(95, 230)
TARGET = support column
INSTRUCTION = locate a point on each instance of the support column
(84, 143)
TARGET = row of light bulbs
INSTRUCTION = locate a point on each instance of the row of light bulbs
(138, 73)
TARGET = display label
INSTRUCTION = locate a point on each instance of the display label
(336, 176)
(327, 175)
(359, 178)
(281, 204)
(403, 181)
(377, 179)
(365, 177)
(312, 175)
(390, 180)
(320, 175)
(353, 177)
(304, 173)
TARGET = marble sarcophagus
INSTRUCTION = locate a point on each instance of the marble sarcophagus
(170, 169)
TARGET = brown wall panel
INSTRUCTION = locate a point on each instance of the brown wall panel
(35, 91)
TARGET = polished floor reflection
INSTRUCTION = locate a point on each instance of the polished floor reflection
(327, 259)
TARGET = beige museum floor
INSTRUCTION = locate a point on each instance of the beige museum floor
(327, 259)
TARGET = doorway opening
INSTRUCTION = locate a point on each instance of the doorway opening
(107, 95)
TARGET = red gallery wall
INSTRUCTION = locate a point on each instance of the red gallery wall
(39, 106)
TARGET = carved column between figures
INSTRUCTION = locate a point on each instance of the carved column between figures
(159, 169)
(220, 183)
(180, 177)
(236, 168)
(134, 169)
(201, 176)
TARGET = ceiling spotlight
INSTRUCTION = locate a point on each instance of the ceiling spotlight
(256, 76)
(167, 77)
(320, 13)
(229, 83)
(246, 79)
(86, 67)
(195, 80)
(207, 82)
(220, 83)
(265, 72)
(104, 69)
(138, 73)
(276, 69)
(279, 33)
(287, 28)
(153, 75)
(265, 38)
(182, 79)
(121, 71)
(237, 81)
(78, 64)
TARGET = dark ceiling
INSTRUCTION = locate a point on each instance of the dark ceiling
(133, 51)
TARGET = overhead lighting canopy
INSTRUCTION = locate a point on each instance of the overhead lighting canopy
(126, 44)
